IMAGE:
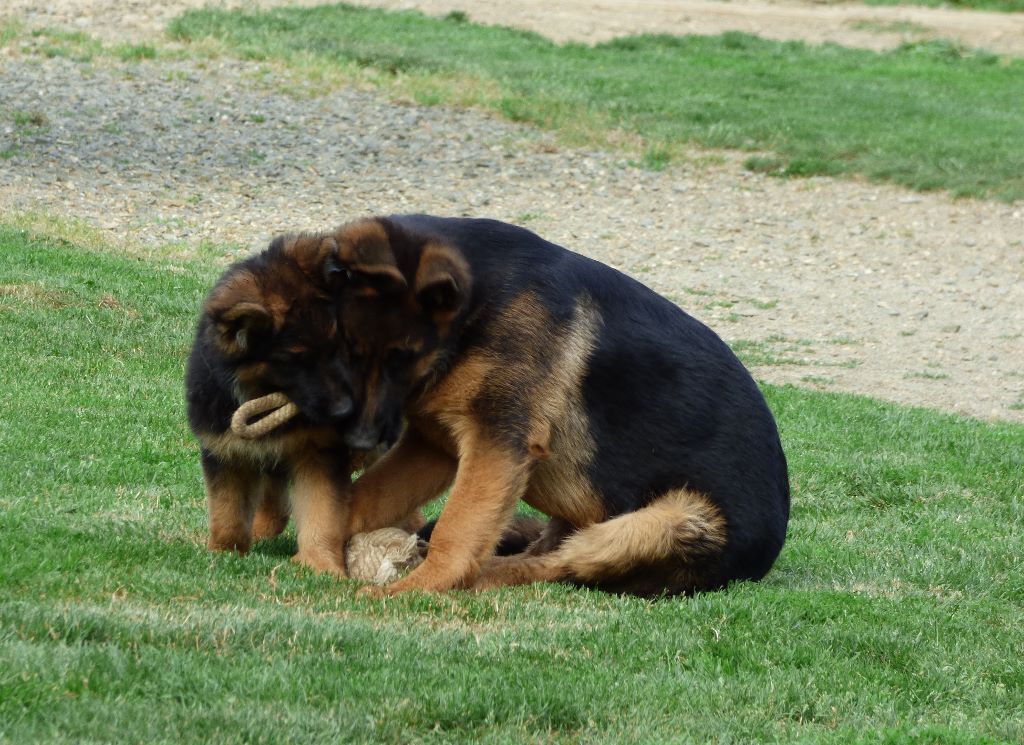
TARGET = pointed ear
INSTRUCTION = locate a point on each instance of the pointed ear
(442, 281)
(364, 250)
(371, 280)
(316, 255)
(242, 326)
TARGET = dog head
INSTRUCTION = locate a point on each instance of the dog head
(274, 322)
(403, 295)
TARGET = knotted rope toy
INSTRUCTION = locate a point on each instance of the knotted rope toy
(277, 407)
(379, 556)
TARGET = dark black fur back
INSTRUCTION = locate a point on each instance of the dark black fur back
(670, 405)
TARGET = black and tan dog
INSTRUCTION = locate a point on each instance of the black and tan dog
(270, 324)
(526, 371)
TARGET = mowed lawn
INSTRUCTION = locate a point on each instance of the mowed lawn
(927, 116)
(894, 614)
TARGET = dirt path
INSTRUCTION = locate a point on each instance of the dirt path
(853, 24)
(850, 24)
(838, 285)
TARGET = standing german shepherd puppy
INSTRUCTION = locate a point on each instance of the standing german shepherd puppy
(270, 325)
(526, 371)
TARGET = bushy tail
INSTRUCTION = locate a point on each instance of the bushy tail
(672, 545)
(681, 533)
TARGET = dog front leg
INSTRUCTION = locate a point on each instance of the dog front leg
(321, 493)
(230, 503)
(412, 473)
(491, 480)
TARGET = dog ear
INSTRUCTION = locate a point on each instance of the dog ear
(239, 313)
(442, 281)
(242, 326)
(364, 251)
(371, 280)
(317, 257)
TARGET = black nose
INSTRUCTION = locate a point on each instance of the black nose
(342, 408)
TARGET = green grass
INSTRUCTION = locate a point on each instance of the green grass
(28, 119)
(135, 52)
(928, 116)
(10, 29)
(76, 45)
(1008, 6)
(888, 27)
(894, 615)
(773, 351)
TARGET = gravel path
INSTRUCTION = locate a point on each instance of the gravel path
(837, 285)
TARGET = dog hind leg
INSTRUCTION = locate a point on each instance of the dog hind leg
(272, 508)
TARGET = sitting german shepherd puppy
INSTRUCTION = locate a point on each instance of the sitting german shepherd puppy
(526, 371)
(270, 325)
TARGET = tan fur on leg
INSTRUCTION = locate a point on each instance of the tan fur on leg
(229, 498)
(272, 510)
(490, 481)
(521, 569)
(412, 522)
(411, 473)
(320, 505)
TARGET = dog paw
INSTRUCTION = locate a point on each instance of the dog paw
(373, 592)
(237, 542)
(321, 563)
